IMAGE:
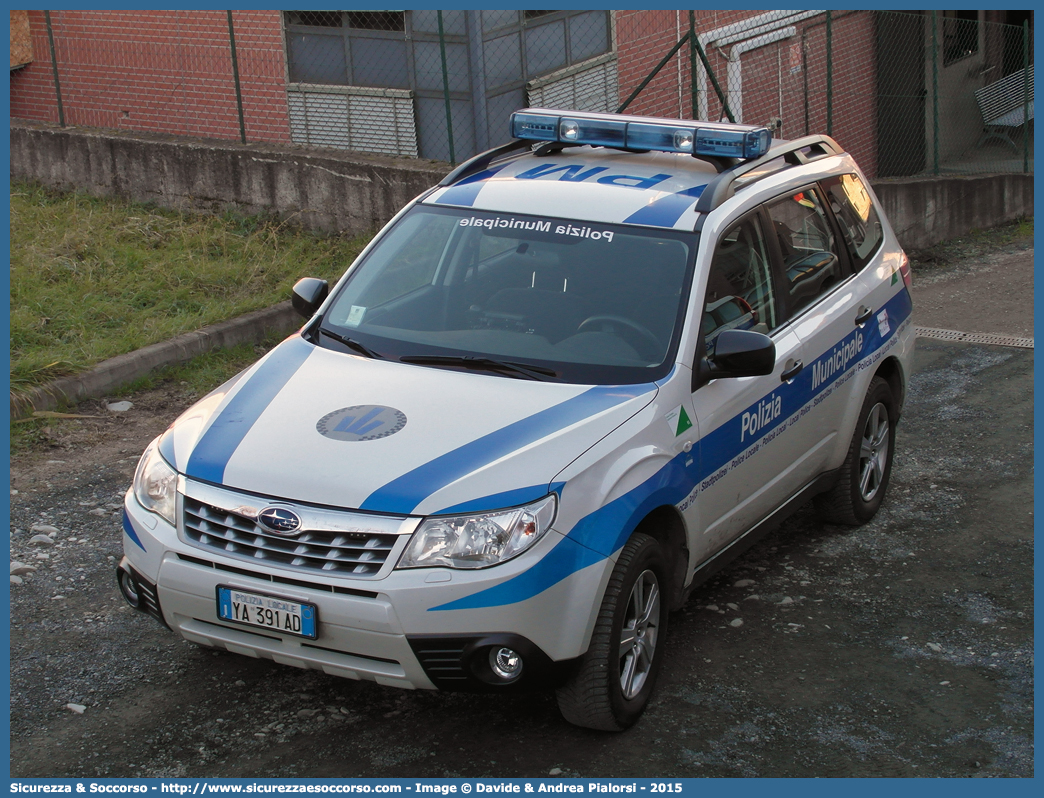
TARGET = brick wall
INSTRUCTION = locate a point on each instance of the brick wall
(170, 72)
(645, 37)
(784, 79)
(642, 39)
(157, 71)
(855, 85)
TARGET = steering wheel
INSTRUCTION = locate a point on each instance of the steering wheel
(643, 340)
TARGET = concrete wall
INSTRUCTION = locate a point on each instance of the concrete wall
(925, 211)
(333, 191)
(323, 190)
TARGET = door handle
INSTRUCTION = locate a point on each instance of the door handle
(864, 316)
(790, 373)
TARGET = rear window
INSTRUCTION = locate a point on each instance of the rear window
(855, 213)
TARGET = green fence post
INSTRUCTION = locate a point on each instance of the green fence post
(653, 74)
(935, 92)
(830, 73)
(714, 82)
(693, 89)
(235, 77)
(1025, 96)
(54, 67)
(445, 91)
(804, 74)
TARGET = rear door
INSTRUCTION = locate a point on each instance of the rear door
(836, 294)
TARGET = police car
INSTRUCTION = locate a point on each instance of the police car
(554, 394)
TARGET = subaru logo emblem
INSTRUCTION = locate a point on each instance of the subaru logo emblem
(280, 520)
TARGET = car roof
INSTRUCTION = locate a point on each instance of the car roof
(592, 184)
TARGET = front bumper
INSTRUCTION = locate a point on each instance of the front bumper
(383, 630)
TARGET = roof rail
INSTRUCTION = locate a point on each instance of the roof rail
(482, 160)
(792, 152)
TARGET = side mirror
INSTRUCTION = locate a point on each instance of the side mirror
(736, 353)
(308, 294)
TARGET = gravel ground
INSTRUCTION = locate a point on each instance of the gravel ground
(980, 297)
(900, 648)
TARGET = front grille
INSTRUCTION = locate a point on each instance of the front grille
(317, 551)
(282, 580)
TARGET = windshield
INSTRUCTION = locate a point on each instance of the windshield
(582, 302)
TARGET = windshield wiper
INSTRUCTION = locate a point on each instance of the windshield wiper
(485, 364)
(353, 344)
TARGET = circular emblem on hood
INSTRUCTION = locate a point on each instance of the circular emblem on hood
(280, 520)
(361, 423)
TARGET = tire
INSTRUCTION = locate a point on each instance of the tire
(617, 675)
(863, 480)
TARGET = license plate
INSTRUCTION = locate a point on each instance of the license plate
(267, 612)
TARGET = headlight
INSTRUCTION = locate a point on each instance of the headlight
(476, 541)
(156, 484)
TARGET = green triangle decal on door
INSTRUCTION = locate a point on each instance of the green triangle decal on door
(683, 422)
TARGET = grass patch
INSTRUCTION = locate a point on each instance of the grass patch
(93, 277)
(1017, 234)
(190, 381)
(202, 374)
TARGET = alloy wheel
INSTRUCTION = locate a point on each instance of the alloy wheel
(639, 634)
(873, 452)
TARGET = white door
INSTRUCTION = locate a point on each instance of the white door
(750, 460)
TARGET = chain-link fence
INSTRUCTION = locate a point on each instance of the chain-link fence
(907, 93)
(210, 74)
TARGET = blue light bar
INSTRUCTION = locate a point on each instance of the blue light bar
(539, 127)
(733, 144)
(596, 132)
(717, 139)
(666, 138)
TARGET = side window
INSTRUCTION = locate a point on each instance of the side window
(810, 261)
(739, 287)
(857, 217)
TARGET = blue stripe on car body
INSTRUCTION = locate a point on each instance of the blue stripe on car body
(585, 544)
(227, 431)
(500, 501)
(667, 210)
(467, 190)
(607, 529)
(402, 495)
(128, 527)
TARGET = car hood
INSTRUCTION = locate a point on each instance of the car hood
(313, 425)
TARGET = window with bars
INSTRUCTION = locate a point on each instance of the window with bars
(372, 48)
(530, 44)
(354, 72)
(348, 48)
(360, 20)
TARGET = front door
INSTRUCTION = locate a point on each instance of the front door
(750, 461)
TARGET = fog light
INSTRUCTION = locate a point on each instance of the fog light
(129, 589)
(506, 663)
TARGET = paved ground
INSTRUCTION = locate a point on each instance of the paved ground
(901, 648)
(991, 294)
